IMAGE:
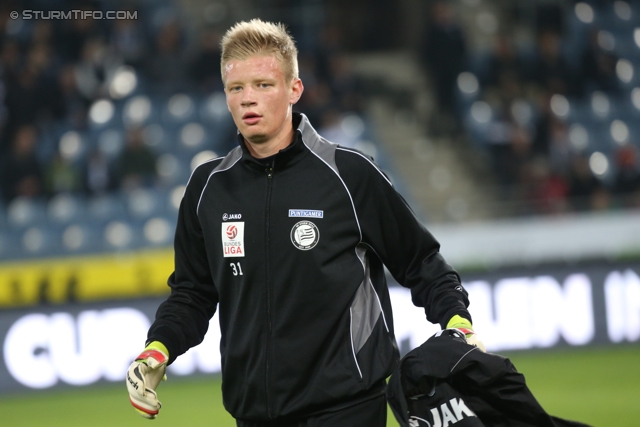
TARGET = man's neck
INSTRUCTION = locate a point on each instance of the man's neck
(269, 148)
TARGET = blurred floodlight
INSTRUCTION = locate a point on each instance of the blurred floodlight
(481, 112)
(560, 105)
(110, 142)
(167, 166)
(487, 22)
(137, 110)
(636, 36)
(578, 136)
(192, 135)
(215, 107)
(606, 40)
(624, 70)
(600, 104)
(352, 125)
(70, 145)
(522, 112)
(176, 196)
(622, 10)
(598, 163)
(180, 106)
(73, 237)
(202, 157)
(124, 82)
(635, 97)
(33, 240)
(468, 83)
(157, 230)
(619, 132)
(101, 111)
(152, 135)
(584, 12)
(118, 234)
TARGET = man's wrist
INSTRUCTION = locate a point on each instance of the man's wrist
(458, 321)
(157, 345)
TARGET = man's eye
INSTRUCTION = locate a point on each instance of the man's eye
(235, 89)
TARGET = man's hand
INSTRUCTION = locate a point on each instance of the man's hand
(464, 325)
(143, 377)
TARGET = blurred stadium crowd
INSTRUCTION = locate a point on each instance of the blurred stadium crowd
(556, 113)
(102, 121)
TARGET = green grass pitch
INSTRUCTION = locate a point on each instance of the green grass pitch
(600, 386)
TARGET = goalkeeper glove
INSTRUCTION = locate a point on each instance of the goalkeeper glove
(144, 375)
(464, 325)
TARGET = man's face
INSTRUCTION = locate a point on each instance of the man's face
(259, 98)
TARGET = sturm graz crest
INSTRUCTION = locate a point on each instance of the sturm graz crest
(305, 235)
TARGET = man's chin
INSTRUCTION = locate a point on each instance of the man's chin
(255, 138)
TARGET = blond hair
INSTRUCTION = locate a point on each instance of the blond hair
(257, 37)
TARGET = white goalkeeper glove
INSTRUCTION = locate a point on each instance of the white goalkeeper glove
(464, 325)
(143, 377)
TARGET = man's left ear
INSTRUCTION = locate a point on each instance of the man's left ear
(296, 91)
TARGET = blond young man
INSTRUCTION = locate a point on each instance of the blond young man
(287, 236)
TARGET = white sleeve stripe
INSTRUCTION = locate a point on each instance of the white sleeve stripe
(209, 178)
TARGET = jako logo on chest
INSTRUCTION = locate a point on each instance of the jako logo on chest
(227, 217)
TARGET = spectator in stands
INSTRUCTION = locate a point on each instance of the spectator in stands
(95, 69)
(551, 72)
(20, 171)
(129, 40)
(204, 69)
(444, 55)
(166, 66)
(597, 66)
(627, 179)
(503, 62)
(73, 34)
(136, 165)
(30, 97)
(72, 104)
(61, 175)
(584, 187)
(98, 176)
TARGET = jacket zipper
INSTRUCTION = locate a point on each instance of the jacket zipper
(269, 172)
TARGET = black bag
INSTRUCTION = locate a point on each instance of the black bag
(447, 382)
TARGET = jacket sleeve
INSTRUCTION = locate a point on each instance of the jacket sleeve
(183, 318)
(405, 246)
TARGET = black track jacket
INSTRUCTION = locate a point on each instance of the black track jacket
(292, 248)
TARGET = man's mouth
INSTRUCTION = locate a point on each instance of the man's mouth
(251, 118)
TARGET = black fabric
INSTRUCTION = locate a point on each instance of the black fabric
(446, 382)
(370, 413)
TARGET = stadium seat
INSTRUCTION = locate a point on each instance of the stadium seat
(142, 203)
(23, 212)
(64, 208)
(106, 207)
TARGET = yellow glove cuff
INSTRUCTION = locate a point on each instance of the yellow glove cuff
(157, 345)
(458, 321)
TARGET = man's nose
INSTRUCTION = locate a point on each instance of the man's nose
(247, 97)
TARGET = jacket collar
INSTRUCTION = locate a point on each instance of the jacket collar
(305, 137)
